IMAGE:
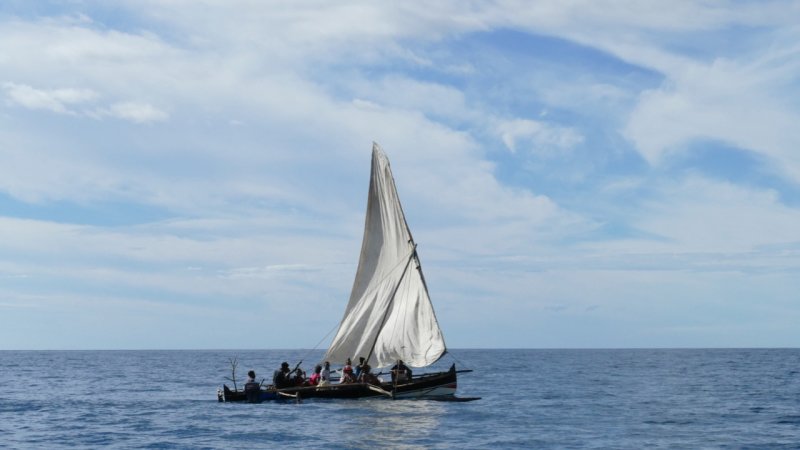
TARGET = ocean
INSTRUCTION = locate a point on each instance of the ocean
(618, 399)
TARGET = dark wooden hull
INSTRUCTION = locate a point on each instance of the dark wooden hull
(440, 385)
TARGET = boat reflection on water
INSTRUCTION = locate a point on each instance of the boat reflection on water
(406, 424)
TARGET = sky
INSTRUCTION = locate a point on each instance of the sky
(576, 174)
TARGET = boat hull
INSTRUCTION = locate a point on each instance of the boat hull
(439, 385)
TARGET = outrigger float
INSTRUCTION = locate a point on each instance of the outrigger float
(389, 316)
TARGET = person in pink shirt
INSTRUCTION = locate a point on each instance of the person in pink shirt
(315, 377)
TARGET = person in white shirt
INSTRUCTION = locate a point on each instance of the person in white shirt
(325, 374)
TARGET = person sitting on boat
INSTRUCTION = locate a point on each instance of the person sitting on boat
(299, 377)
(325, 375)
(347, 372)
(368, 377)
(400, 372)
(281, 376)
(252, 388)
(314, 379)
(359, 367)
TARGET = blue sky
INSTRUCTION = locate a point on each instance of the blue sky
(576, 174)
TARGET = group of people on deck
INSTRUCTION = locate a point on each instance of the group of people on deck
(285, 377)
(362, 373)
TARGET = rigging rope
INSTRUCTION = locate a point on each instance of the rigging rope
(323, 339)
(450, 354)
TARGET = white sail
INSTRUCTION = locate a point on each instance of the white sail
(389, 315)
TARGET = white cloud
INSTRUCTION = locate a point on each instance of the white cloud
(697, 225)
(540, 138)
(62, 257)
(742, 104)
(271, 207)
(266, 271)
(55, 100)
(701, 215)
(738, 95)
(137, 112)
(66, 101)
(433, 99)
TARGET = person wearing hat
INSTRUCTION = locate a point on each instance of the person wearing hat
(281, 376)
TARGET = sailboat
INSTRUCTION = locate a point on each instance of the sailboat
(389, 317)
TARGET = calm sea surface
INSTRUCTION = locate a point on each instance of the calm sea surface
(617, 399)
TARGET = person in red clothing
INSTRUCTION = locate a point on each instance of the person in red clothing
(315, 377)
(347, 372)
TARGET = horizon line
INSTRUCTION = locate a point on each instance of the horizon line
(322, 350)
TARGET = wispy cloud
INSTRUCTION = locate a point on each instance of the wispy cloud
(538, 137)
(534, 144)
(135, 112)
(68, 101)
(55, 100)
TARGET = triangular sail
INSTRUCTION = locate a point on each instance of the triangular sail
(389, 314)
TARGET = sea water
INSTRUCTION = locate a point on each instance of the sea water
(621, 399)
